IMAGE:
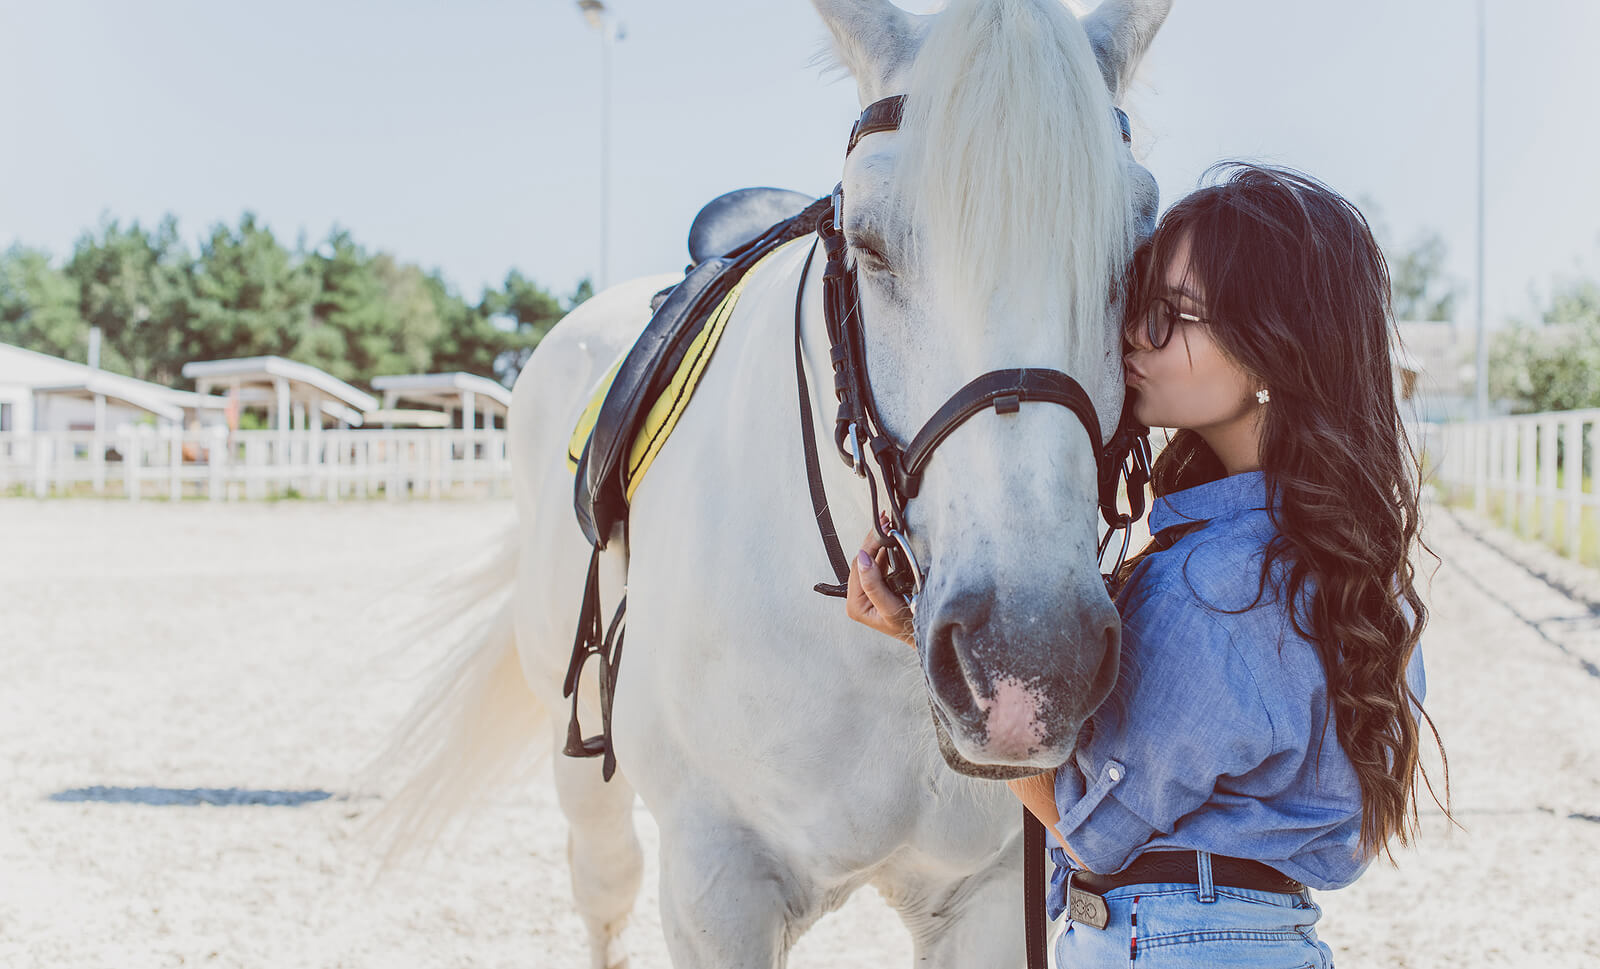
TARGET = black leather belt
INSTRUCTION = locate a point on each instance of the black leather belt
(1182, 867)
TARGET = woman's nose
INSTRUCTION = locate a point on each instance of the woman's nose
(1133, 341)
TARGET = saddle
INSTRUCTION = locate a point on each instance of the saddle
(639, 402)
(607, 437)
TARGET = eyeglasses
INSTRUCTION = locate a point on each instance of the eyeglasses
(1161, 318)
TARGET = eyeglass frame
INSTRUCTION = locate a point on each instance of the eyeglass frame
(1177, 314)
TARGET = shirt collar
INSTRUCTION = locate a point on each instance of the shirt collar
(1246, 491)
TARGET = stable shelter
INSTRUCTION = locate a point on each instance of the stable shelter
(295, 396)
(39, 392)
(478, 400)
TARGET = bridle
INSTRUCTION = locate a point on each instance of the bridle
(859, 428)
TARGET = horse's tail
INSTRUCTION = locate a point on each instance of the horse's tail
(478, 727)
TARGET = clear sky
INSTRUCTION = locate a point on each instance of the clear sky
(465, 135)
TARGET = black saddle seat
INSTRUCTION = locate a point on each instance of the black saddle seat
(743, 215)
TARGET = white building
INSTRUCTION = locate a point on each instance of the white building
(294, 395)
(1445, 371)
(39, 392)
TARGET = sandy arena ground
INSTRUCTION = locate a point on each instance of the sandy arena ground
(242, 646)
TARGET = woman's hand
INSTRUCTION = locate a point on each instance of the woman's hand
(869, 600)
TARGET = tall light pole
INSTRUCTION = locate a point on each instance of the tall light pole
(601, 19)
(1482, 367)
(1480, 410)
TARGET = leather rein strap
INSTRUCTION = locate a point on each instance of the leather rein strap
(859, 429)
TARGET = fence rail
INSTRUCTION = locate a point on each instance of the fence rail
(145, 462)
(1533, 472)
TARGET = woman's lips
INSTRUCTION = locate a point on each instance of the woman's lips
(1132, 376)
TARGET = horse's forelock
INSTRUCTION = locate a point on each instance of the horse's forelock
(1012, 167)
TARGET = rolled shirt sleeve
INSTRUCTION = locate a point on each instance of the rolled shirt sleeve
(1186, 715)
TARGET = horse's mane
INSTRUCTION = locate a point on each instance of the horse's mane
(1012, 162)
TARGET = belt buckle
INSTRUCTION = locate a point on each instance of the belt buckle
(1085, 907)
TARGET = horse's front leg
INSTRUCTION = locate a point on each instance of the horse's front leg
(729, 900)
(975, 920)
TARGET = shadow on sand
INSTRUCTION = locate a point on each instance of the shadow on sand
(175, 796)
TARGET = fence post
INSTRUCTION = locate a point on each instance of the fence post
(97, 458)
(393, 488)
(1508, 463)
(332, 444)
(214, 462)
(41, 467)
(175, 464)
(1572, 468)
(1585, 469)
(131, 456)
(1548, 451)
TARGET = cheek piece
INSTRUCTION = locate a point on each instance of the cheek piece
(859, 428)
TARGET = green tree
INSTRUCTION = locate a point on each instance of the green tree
(1422, 289)
(371, 315)
(469, 340)
(528, 311)
(1554, 365)
(39, 306)
(583, 292)
(135, 285)
(251, 295)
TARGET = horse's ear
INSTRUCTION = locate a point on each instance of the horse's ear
(1120, 31)
(874, 40)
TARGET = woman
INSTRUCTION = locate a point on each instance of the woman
(1263, 736)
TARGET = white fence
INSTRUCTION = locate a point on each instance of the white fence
(1534, 472)
(145, 462)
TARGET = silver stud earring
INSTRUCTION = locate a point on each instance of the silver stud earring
(1262, 396)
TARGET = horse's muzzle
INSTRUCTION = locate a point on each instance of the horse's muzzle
(1016, 699)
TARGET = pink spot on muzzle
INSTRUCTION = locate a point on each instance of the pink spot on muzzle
(1012, 716)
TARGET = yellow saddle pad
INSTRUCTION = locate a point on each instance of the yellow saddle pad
(667, 408)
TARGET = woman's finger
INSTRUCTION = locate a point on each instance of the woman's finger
(872, 543)
(856, 604)
(895, 615)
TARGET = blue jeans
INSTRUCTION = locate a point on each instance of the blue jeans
(1201, 926)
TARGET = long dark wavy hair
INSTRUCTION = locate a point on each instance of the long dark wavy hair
(1297, 292)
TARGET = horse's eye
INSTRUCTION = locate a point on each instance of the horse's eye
(869, 257)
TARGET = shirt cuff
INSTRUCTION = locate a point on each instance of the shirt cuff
(1101, 831)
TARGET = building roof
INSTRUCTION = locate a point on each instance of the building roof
(99, 384)
(207, 373)
(438, 387)
(42, 372)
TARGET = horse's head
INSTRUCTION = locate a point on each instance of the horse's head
(991, 231)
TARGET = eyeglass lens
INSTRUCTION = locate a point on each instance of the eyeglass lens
(1158, 322)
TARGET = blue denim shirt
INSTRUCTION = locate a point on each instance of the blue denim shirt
(1211, 739)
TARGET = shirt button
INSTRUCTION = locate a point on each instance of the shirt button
(1114, 772)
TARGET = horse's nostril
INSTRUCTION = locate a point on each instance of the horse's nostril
(948, 673)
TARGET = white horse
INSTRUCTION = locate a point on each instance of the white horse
(786, 752)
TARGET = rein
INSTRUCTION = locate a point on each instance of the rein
(859, 429)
